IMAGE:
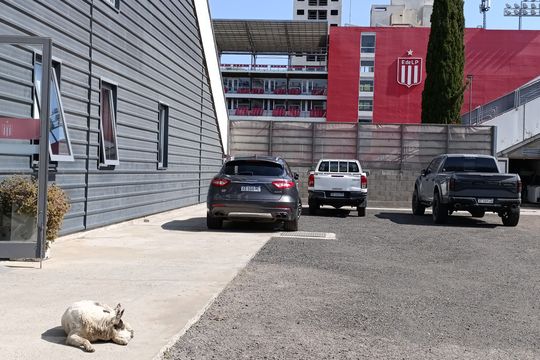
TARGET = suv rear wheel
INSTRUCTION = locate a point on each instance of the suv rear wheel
(361, 211)
(213, 222)
(417, 207)
(291, 225)
(440, 210)
(511, 217)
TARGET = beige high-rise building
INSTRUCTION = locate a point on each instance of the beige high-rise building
(326, 10)
(412, 13)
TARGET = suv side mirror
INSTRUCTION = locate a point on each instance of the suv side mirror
(424, 172)
(367, 172)
(296, 176)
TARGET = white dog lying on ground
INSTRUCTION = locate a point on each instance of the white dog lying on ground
(88, 321)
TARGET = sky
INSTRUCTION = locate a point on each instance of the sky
(360, 14)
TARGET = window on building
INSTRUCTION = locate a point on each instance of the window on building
(107, 125)
(365, 105)
(321, 58)
(312, 14)
(114, 3)
(59, 144)
(300, 12)
(368, 43)
(323, 14)
(367, 66)
(334, 12)
(323, 2)
(333, 24)
(163, 140)
(311, 58)
(312, 2)
(366, 85)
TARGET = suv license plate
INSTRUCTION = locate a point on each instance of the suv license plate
(337, 194)
(485, 201)
(250, 188)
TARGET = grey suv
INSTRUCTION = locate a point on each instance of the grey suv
(258, 188)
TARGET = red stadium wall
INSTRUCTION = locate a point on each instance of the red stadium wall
(343, 74)
(499, 60)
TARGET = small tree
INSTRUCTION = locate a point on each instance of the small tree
(442, 97)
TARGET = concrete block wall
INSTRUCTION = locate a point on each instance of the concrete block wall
(391, 187)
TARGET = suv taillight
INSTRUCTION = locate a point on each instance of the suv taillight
(220, 182)
(363, 182)
(283, 184)
(311, 180)
(519, 186)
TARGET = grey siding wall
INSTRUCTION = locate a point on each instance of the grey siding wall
(152, 51)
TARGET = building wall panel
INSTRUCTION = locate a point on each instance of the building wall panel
(152, 52)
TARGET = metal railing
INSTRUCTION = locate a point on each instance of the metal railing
(248, 67)
(321, 91)
(503, 104)
(277, 113)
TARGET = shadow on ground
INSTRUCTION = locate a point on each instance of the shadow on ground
(55, 335)
(330, 212)
(199, 224)
(426, 220)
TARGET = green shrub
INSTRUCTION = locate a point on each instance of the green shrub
(21, 194)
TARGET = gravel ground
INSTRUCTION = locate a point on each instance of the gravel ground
(392, 286)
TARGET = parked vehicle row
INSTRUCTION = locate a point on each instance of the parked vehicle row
(263, 188)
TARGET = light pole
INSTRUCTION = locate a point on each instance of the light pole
(470, 78)
(526, 8)
(485, 5)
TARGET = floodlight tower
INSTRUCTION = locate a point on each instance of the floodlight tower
(485, 6)
(529, 8)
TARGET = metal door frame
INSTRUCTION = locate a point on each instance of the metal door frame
(23, 249)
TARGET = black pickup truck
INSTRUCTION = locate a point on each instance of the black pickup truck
(471, 183)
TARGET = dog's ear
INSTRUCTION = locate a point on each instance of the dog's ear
(119, 312)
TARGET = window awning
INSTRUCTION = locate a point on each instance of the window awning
(275, 37)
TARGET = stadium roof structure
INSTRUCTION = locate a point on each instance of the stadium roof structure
(271, 37)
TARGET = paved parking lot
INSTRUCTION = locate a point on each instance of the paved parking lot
(392, 286)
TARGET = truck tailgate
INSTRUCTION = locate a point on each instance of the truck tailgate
(485, 185)
(335, 181)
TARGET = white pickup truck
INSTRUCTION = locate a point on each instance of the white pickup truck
(338, 183)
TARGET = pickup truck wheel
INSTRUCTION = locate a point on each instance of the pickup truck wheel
(417, 207)
(291, 225)
(511, 217)
(213, 222)
(313, 207)
(440, 210)
(361, 211)
(478, 213)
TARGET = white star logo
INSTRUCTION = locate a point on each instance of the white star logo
(410, 52)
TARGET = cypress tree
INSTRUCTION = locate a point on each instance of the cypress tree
(442, 97)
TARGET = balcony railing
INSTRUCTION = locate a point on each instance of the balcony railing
(266, 68)
(321, 91)
(278, 112)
